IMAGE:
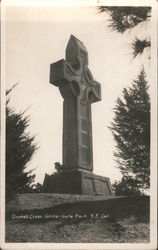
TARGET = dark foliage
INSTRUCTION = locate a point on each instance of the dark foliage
(138, 46)
(126, 18)
(127, 186)
(20, 147)
(131, 131)
(59, 168)
(37, 188)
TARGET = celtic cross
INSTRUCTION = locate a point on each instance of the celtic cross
(79, 90)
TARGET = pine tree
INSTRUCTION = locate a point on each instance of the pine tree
(126, 18)
(20, 147)
(131, 131)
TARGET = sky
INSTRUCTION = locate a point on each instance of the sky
(38, 36)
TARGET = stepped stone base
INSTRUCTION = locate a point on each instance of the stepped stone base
(77, 182)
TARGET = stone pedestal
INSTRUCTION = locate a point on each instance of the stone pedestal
(77, 182)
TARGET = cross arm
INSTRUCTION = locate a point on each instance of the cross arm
(93, 92)
(66, 78)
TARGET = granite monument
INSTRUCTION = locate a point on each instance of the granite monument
(79, 91)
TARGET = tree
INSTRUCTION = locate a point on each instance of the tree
(20, 147)
(131, 131)
(126, 18)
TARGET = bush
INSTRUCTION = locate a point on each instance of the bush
(127, 186)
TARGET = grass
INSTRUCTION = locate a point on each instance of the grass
(79, 219)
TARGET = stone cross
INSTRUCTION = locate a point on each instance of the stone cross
(79, 90)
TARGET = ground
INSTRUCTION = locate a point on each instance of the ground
(80, 219)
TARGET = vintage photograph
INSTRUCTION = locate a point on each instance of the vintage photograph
(79, 99)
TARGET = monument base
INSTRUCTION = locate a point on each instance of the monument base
(77, 182)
